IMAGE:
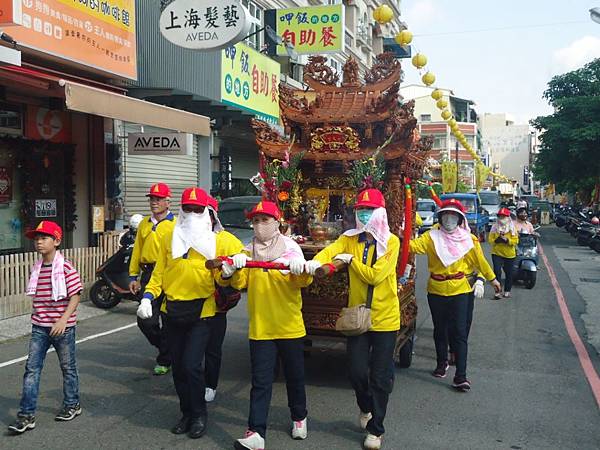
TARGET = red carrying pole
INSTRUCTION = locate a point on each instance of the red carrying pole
(217, 263)
(407, 227)
(434, 196)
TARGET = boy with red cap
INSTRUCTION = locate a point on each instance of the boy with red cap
(225, 298)
(143, 259)
(55, 287)
(452, 254)
(276, 326)
(371, 252)
(188, 287)
(504, 238)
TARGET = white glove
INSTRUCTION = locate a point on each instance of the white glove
(297, 265)
(144, 311)
(478, 289)
(240, 260)
(312, 266)
(227, 270)
(344, 257)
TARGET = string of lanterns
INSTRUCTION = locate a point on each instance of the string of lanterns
(384, 14)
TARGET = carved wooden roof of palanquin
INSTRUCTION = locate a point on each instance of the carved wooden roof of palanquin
(345, 120)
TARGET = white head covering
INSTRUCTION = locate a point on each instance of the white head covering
(218, 227)
(194, 231)
(378, 226)
(450, 247)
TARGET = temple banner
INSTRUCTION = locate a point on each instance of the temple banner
(251, 81)
(449, 176)
(311, 29)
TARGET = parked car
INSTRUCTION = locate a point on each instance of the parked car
(477, 216)
(490, 200)
(232, 213)
(426, 209)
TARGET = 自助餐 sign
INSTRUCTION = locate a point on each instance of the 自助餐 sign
(251, 81)
(159, 144)
(311, 29)
(93, 33)
(205, 24)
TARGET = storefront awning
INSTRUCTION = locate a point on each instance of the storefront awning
(115, 106)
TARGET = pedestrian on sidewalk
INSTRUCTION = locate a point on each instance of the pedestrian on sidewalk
(143, 260)
(451, 256)
(55, 287)
(276, 327)
(181, 274)
(504, 239)
(224, 298)
(371, 252)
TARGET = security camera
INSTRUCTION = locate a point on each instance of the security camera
(595, 14)
(6, 38)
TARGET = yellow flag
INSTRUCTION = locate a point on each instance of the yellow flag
(481, 173)
(449, 176)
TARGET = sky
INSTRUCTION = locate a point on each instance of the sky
(502, 71)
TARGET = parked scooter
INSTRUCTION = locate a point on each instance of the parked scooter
(526, 262)
(113, 283)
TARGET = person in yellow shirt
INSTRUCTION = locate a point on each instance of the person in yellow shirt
(504, 238)
(143, 259)
(218, 323)
(371, 252)
(188, 287)
(451, 256)
(276, 327)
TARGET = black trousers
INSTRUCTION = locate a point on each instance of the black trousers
(471, 300)
(153, 328)
(264, 356)
(450, 318)
(505, 264)
(188, 345)
(371, 357)
(214, 349)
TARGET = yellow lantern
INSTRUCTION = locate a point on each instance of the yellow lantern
(446, 114)
(452, 122)
(428, 79)
(437, 94)
(383, 14)
(405, 37)
(441, 103)
(419, 60)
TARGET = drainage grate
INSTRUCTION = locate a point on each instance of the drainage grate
(590, 280)
(571, 259)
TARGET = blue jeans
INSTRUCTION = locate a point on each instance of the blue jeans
(65, 349)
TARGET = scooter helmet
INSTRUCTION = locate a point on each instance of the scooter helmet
(595, 221)
(135, 220)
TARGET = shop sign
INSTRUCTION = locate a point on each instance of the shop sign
(205, 24)
(48, 125)
(97, 218)
(5, 185)
(160, 144)
(45, 208)
(94, 33)
(251, 81)
(311, 29)
(11, 12)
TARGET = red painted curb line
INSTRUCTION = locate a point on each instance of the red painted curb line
(584, 357)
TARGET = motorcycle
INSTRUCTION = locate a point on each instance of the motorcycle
(526, 261)
(112, 285)
(595, 242)
(586, 233)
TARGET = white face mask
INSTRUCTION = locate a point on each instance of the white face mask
(503, 220)
(449, 222)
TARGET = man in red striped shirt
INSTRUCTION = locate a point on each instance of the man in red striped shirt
(55, 287)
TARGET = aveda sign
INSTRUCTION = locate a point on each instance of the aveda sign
(160, 144)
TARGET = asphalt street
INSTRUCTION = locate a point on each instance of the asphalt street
(529, 389)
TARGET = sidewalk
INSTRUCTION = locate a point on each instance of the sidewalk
(16, 327)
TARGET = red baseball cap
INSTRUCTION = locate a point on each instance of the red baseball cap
(370, 198)
(213, 203)
(194, 196)
(452, 205)
(46, 227)
(504, 212)
(267, 208)
(160, 190)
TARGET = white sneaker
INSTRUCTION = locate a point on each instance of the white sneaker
(209, 395)
(363, 419)
(372, 442)
(251, 441)
(299, 430)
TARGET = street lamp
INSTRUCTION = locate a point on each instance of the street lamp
(595, 14)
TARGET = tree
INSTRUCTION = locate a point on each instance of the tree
(570, 138)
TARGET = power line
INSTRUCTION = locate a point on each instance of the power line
(512, 27)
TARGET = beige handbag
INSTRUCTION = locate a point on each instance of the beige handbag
(356, 320)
